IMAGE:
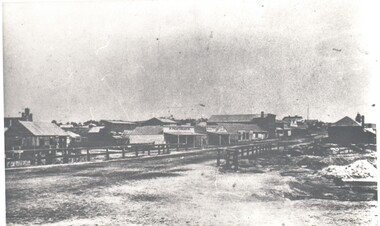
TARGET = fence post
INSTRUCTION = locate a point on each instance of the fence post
(236, 162)
(177, 146)
(39, 162)
(218, 158)
(65, 159)
(123, 152)
(88, 154)
(49, 158)
(107, 154)
(149, 149)
(159, 149)
(136, 151)
(168, 149)
(228, 155)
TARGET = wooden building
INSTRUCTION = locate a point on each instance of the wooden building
(218, 135)
(158, 122)
(146, 134)
(267, 122)
(184, 135)
(347, 130)
(34, 135)
(117, 126)
(239, 132)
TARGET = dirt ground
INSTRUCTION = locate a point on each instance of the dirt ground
(273, 189)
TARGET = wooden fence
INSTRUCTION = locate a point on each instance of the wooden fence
(15, 158)
(231, 155)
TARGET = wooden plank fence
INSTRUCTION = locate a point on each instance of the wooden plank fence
(15, 158)
(231, 155)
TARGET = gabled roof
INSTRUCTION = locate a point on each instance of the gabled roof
(234, 118)
(119, 122)
(162, 121)
(72, 134)
(96, 129)
(43, 128)
(295, 117)
(235, 127)
(346, 121)
(145, 130)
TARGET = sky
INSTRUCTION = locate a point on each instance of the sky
(133, 60)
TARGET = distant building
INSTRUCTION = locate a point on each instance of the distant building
(347, 130)
(117, 126)
(293, 120)
(33, 135)
(266, 122)
(25, 116)
(283, 129)
(146, 134)
(217, 135)
(186, 135)
(158, 122)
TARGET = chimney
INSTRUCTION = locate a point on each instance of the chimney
(27, 111)
(262, 114)
(363, 125)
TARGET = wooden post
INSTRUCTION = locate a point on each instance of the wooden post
(136, 151)
(65, 159)
(228, 154)
(88, 155)
(49, 158)
(218, 158)
(149, 149)
(168, 149)
(236, 162)
(177, 146)
(220, 139)
(123, 152)
(39, 162)
(107, 154)
(159, 149)
(33, 159)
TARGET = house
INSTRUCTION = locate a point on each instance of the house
(74, 138)
(158, 122)
(117, 125)
(146, 134)
(266, 122)
(283, 129)
(347, 130)
(184, 134)
(218, 135)
(25, 116)
(33, 135)
(239, 132)
(293, 120)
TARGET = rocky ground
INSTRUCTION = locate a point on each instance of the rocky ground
(278, 188)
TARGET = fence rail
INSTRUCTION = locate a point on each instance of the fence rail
(35, 157)
(231, 155)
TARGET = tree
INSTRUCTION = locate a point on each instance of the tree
(358, 118)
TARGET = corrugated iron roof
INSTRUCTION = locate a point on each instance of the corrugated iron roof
(234, 118)
(72, 134)
(95, 129)
(166, 120)
(346, 121)
(43, 128)
(145, 130)
(235, 127)
(119, 122)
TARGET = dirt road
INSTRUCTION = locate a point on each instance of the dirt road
(189, 190)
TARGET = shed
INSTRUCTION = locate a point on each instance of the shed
(26, 134)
